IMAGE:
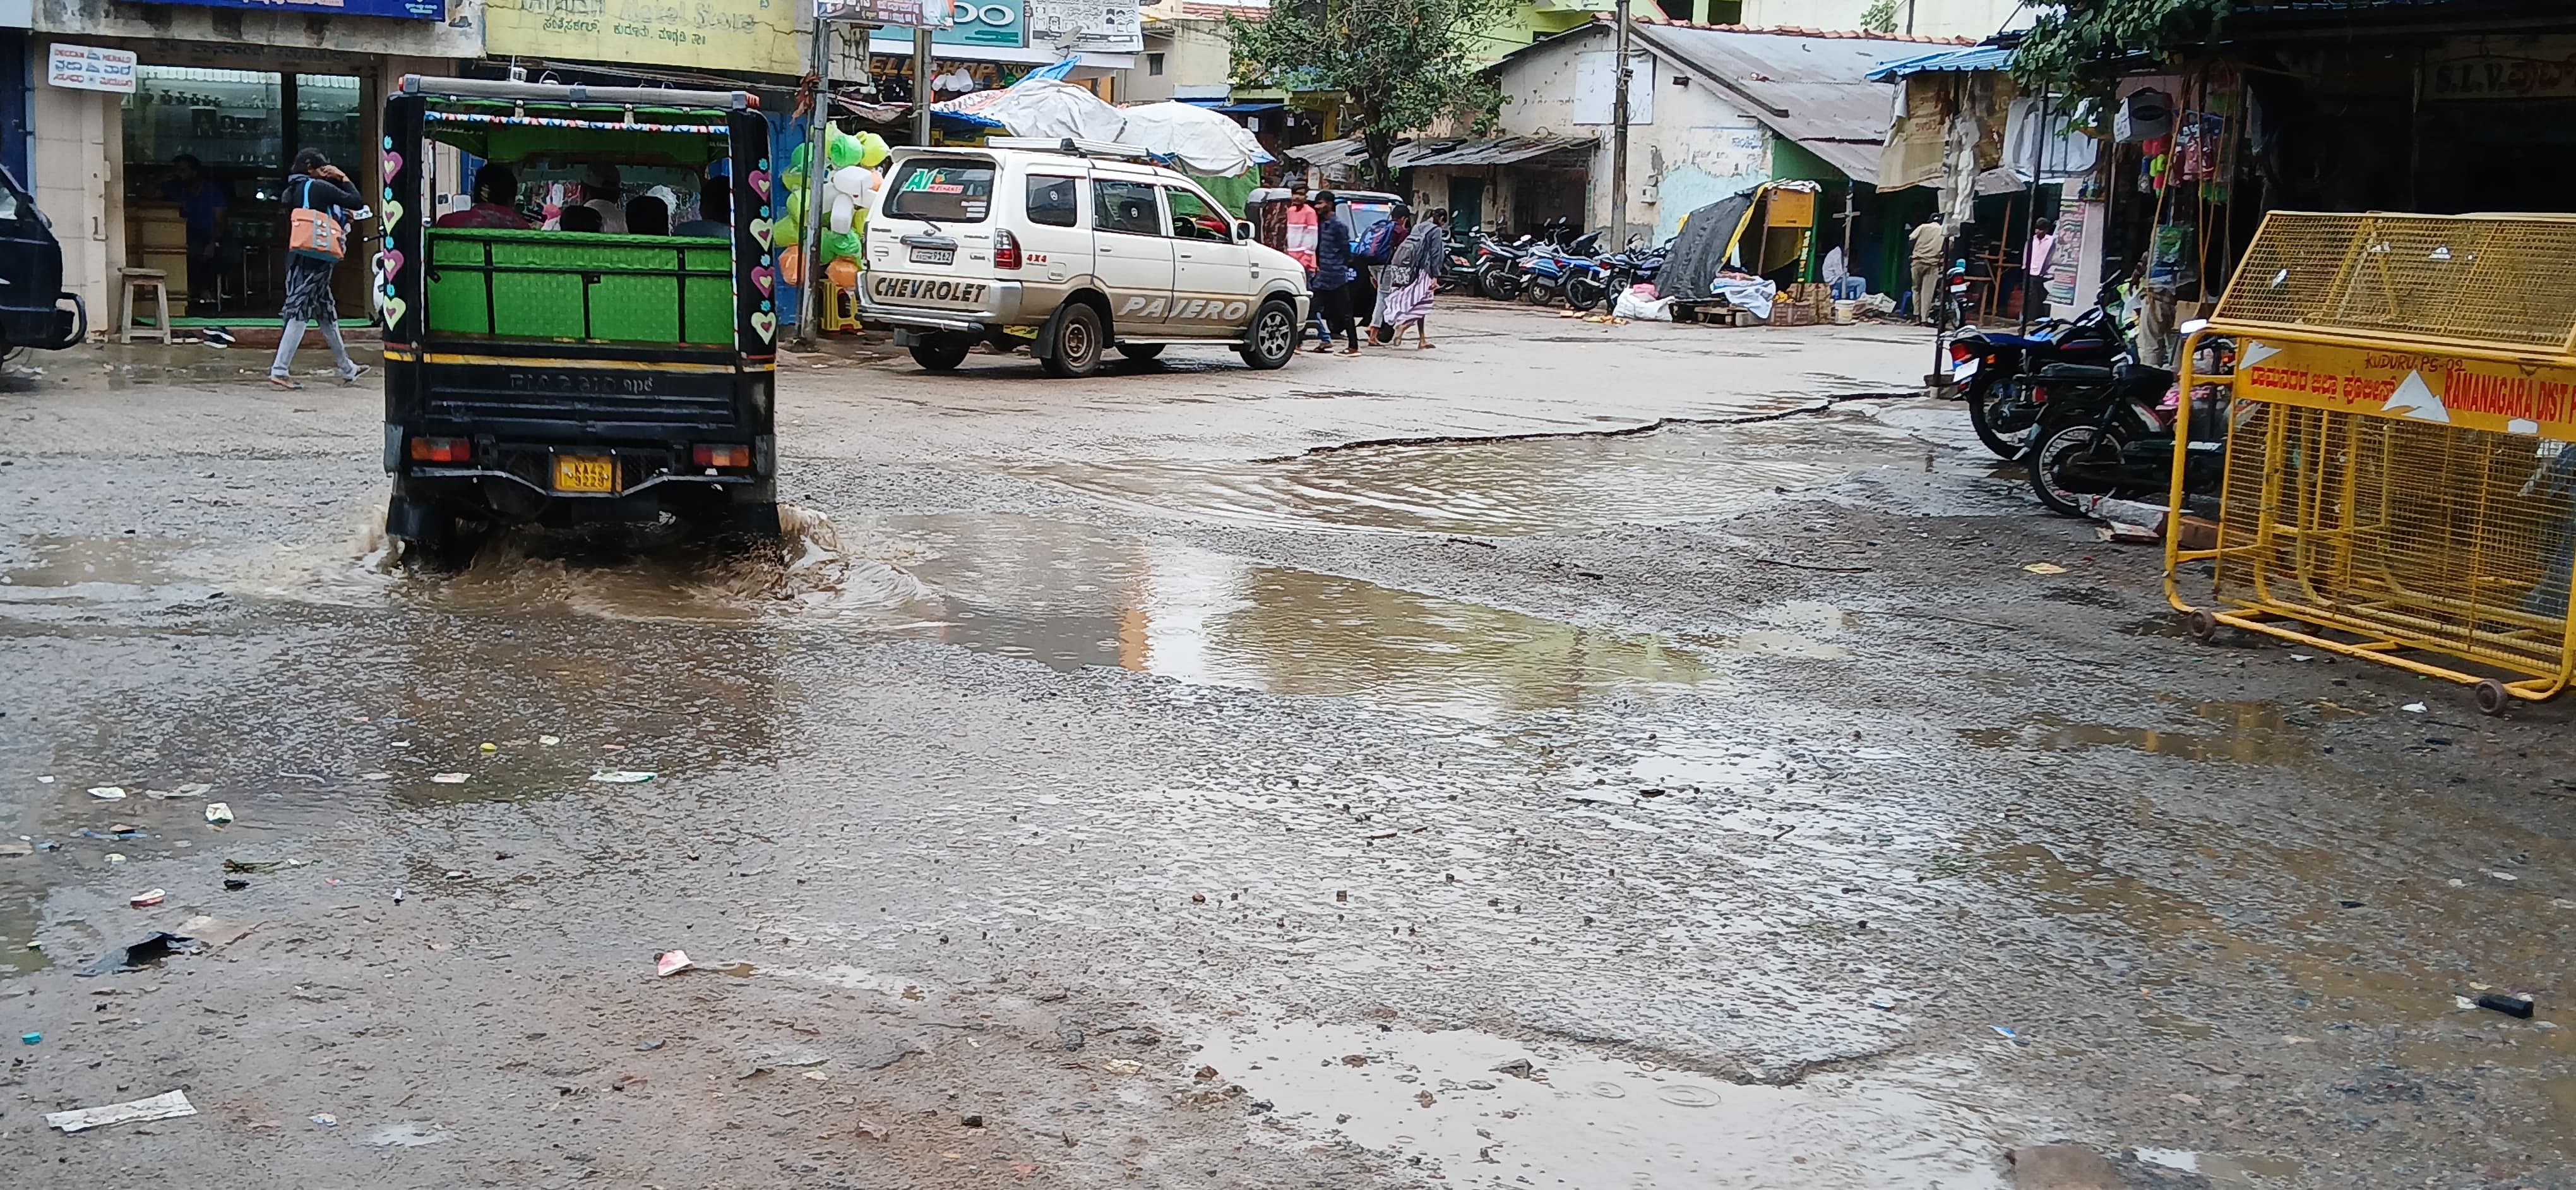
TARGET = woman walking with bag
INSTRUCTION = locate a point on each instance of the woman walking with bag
(317, 238)
(1410, 278)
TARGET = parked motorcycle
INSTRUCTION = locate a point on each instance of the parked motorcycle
(2106, 432)
(1619, 273)
(1994, 369)
(1498, 274)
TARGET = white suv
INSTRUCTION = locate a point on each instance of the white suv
(1069, 247)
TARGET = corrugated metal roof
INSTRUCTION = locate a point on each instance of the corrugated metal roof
(1814, 90)
(1329, 152)
(1975, 57)
(1498, 151)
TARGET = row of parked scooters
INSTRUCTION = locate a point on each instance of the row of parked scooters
(2069, 400)
(1549, 267)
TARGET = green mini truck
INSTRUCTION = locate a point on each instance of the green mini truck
(577, 352)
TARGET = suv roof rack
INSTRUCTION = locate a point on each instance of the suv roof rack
(1070, 145)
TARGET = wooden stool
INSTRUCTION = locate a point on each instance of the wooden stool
(135, 281)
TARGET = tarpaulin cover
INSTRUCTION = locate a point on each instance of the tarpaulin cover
(1701, 248)
(1204, 140)
(1037, 106)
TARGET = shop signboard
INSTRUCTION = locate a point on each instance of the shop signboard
(985, 23)
(746, 35)
(1094, 26)
(89, 68)
(409, 10)
(2471, 394)
(2523, 72)
(900, 14)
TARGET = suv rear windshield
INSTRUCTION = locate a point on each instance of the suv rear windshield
(942, 190)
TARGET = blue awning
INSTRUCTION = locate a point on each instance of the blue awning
(1239, 109)
(1975, 57)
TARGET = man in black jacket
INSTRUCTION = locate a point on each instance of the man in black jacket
(1331, 279)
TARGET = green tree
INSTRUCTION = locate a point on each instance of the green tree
(1879, 17)
(1398, 64)
(2082, 47)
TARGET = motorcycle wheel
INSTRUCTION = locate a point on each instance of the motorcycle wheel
(1539, 295)
(2054, 447)
(1983, 394)
(1497, 285)
(1582, 296)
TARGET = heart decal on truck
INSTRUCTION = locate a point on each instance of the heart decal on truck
(760, 231)
(767, 325)
(764, 280)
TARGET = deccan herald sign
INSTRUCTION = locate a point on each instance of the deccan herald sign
(90, 68)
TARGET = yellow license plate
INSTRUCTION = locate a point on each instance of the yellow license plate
(585, 473)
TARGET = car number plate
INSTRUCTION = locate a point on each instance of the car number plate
(585, 473)
(1964, 370)
(934, 256)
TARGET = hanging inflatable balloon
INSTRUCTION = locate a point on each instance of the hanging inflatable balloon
(791, 265)
(794, 179)
(843, 149)
(795, 212)
(873, 150)
(843, 210)
(844, 273)
(839, 244)
(796, 162)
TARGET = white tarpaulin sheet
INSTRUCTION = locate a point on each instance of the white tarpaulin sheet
(1208, 142)
(1044, 107)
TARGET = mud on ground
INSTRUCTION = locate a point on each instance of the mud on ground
(1133, 782)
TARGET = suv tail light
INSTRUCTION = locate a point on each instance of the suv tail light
(721, 456)
(442, 450)
(1006, 250)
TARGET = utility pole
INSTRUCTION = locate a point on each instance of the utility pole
(809, 238)
(1619, 132)
(921, 85)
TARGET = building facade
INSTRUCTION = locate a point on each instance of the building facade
(240, 87)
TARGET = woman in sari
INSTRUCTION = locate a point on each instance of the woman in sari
(1405, 295)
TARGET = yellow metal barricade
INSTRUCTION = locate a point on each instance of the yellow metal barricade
(2395, 483)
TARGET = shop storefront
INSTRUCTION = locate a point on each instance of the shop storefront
(193, 146)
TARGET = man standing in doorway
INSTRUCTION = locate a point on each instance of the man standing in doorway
(1925, 247)
(2036, 263)
(202, 201)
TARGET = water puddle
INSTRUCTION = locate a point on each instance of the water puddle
(1479, 1110)
(1062, 594)
(2244, 733)
(1066, 597)
(1505, 487)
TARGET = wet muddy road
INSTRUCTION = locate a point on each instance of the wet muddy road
(1643, 763)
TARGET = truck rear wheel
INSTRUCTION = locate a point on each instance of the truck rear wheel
(1071, 341)
(941, 353)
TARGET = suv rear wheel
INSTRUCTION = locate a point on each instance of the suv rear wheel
(1072, 340)
(1272, 337)
(1140, 351)
(941, 353)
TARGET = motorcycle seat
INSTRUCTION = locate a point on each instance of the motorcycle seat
(2075, 374)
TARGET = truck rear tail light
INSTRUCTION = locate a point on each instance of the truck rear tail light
(1006, 250)
(442, 450)
(721, 456)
